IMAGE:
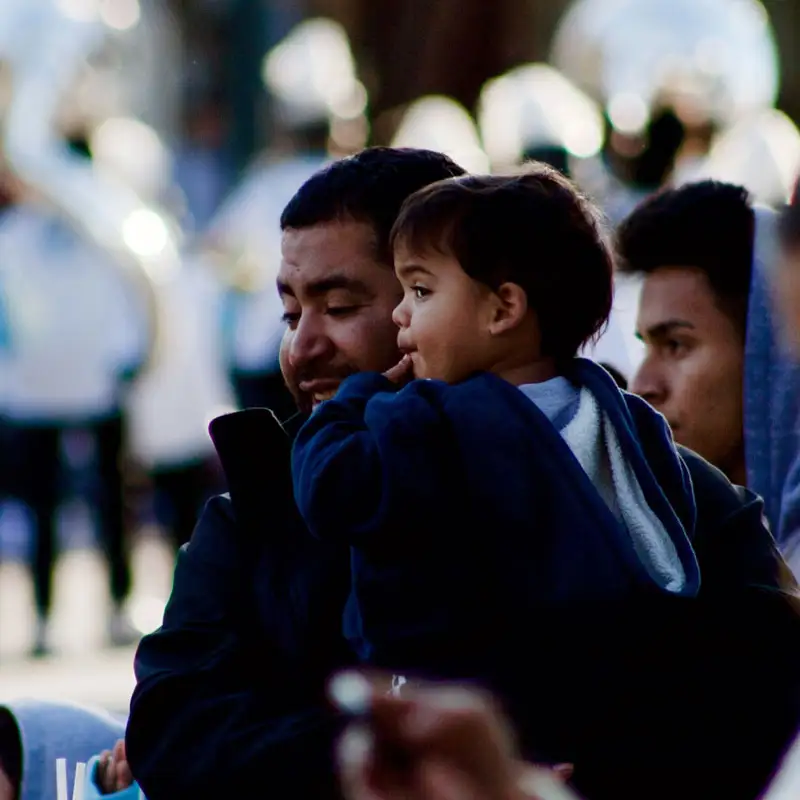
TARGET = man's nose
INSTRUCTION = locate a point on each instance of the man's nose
(309, 341)
(648, 384)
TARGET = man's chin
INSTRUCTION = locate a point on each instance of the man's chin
(308, 401)
(316, 399)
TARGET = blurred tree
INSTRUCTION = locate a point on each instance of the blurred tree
(407, 48)
(785, 15)
(415, 47)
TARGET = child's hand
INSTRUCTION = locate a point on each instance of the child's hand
(113, 772)
(402, 372)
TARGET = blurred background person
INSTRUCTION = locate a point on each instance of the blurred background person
(171, 458)
(202, 170)
(83, 256)
(715, 361)
(75, 342)
(673, 78)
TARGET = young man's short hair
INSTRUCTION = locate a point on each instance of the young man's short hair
(531, 228)
(370, 187)
(707, 226)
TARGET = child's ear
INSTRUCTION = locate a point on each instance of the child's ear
(510, 306)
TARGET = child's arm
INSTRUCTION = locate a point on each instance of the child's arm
(368, 456)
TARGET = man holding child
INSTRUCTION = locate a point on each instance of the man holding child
(539, 533)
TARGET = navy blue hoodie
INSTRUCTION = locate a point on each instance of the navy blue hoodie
(230, 688)
(471, 519)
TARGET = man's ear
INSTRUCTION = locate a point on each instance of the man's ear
(509, 308)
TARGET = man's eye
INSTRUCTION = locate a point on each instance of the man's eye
(676, 348)
(290, 318)
(420, 292)
(341, 311)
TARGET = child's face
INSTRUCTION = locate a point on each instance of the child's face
(444, 317)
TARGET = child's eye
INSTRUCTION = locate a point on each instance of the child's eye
(420, 292)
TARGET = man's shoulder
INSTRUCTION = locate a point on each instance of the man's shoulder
(732, 537)
(711, 486)
(231, 432)
(254, 450)
(216, 539)
(258, 513)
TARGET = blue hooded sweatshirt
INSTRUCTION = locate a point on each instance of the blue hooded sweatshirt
(471, 516)
(772, 402)
(49, 730)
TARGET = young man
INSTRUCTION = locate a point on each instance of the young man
(715, 365)
(230, 692)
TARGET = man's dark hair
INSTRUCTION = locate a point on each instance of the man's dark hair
(707, 226)
(370, 187)
(790, 221)
(531, 228)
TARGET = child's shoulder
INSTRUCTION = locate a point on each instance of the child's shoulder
(480, 383)
(483, 397)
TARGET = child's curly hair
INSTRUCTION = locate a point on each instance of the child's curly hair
(531, 227)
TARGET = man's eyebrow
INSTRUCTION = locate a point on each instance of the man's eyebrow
(664, 329)
(329, 284)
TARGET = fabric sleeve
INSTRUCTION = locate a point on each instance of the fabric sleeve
(212, 714)
(369, 457)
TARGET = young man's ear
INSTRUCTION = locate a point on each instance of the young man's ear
(510, 306)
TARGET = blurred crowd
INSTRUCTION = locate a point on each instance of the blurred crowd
(149, 289)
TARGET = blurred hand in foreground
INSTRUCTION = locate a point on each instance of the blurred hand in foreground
(432, 743)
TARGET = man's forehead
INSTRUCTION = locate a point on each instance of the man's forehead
(676, 286)
(675, 293)
(345, 249)
(336, 240)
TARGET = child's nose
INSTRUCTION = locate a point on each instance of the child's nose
(400, 315)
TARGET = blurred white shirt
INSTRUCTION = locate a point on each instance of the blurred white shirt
(73, 323)
(618, 346)
(248, 223)
(170, 407)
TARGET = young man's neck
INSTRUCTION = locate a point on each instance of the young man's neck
(737, 472)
